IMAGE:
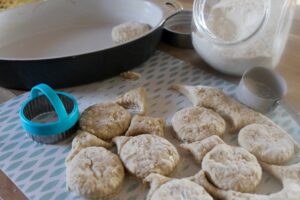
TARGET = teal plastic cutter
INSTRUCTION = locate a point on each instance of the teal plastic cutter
(44, 100)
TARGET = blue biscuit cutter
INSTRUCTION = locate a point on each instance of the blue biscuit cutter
(42, 102)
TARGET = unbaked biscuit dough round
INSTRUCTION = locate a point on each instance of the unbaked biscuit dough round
(232, 168)
(105, 120)
(95, 173)
(128, 31)
(180, 189)
(267, 143)
(197, 123)
(145, 154)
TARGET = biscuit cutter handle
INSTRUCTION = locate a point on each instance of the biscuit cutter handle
(169, 7)
(56, 102)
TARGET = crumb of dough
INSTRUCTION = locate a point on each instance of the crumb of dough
(131, 75)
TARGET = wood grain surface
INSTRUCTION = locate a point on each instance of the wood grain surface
(289, 67)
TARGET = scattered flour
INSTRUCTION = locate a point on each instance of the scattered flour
(230, 21)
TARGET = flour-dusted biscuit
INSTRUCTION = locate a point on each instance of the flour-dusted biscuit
(95, 173)
(236, 114)
(197, 123)
(105, 120)
(145, 154)
(128, 31)
(164, 188)
(232, 168)
(288, 175)
(135, 99)
(82, 140)
(142, 124)
(200, 148)
(267, 143)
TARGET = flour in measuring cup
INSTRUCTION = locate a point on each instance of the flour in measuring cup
(233, 20)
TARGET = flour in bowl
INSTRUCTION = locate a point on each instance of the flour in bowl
(242, 33)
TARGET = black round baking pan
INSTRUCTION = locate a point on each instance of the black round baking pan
(67, 43)
(81, 69)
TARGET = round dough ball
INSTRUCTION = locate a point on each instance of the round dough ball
(145, 154)
(180, 189)
(95, 173)
(267, 143)
(105, 120)
(232, 168)
(128, 31)
(197, 123)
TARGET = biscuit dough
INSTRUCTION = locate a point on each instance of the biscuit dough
(267, 143)
(105, 120)
(128, 31)
(233, 112)
(95, 173)
(135, 99)
(200, 148)
(130, 75)
(164, 188)
(82, 140)
(142, 124)
(232, 168)
(197, 123)
(145, 154)
(237, 116)
(288, 175)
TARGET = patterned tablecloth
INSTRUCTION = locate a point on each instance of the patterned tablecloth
(39, 170)
(5, 95)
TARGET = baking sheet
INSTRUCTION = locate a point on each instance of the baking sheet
(39, 170)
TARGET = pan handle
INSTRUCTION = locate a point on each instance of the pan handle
(169, 7)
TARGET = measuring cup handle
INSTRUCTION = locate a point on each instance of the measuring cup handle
(169, 7)
(52, 97)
